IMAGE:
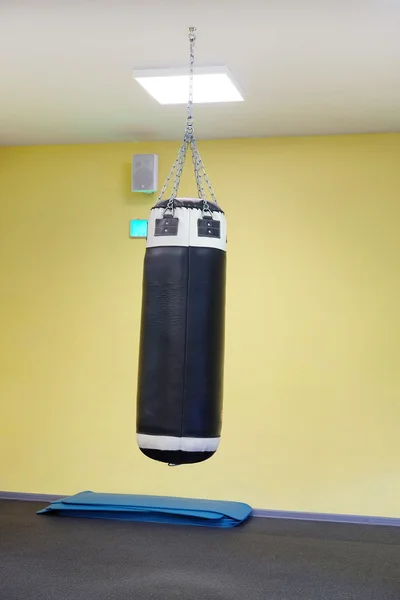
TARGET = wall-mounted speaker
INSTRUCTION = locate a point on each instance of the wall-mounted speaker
(145, 173)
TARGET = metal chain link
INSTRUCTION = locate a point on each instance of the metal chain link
(172, 171)
(189, 120)
(200, 174)
(177, 168)
(189, 140)
(197, 172)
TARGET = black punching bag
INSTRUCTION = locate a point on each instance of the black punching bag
(179, 400)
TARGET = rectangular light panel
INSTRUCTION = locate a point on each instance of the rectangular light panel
(172, 86)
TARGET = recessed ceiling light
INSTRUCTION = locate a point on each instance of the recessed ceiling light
(171, 86)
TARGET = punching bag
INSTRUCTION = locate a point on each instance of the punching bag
(180, 380)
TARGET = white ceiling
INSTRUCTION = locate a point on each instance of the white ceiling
(306, 67)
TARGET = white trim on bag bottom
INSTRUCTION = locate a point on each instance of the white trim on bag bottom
(186, 444)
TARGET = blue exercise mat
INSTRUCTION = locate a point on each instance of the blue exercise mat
(155, 509)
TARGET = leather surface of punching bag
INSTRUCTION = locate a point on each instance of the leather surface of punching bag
(180, 382)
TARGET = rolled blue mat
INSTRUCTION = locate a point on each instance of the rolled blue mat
(154, 509)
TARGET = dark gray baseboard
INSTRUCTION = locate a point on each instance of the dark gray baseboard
(29, 497)
(326, 517)
(257, 512)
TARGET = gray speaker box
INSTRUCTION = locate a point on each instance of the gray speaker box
(145, 173)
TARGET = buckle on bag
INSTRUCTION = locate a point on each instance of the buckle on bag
(209, 228)
(166, 226)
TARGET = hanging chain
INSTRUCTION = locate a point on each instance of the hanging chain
(189, 140)
(189, 121)
(177, 168)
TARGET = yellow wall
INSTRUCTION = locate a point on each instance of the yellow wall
(312, 385)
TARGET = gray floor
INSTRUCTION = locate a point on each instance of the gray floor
(56, 558)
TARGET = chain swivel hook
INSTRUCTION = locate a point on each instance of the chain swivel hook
(192, 34)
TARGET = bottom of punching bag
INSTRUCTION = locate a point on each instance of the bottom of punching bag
(177, 450)
(175, 458)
